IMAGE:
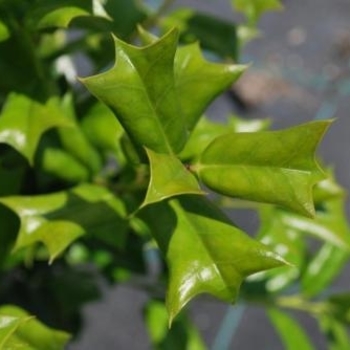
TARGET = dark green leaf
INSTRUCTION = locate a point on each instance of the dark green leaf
(126, 14)
(274, 167)
(339, 307)
(204, 251)
(60, 218)
(9, 229)
(18, 330)
(291, 333)
(213, 33)
(12, 171)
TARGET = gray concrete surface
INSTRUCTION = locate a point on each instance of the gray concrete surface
(304, 58)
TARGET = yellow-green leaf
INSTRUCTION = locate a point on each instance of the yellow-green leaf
(169, 178)
(199, 82)
(276, 167)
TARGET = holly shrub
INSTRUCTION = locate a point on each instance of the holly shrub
(99, 171)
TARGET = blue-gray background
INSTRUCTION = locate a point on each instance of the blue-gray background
(300, 71)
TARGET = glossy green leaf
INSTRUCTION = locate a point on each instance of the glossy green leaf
(60, 218)
(253, 9)
(140, 89)
(23, 121)
(19, 330)
(291, 333)
(206, 131)
(204, 251)
(274, 167)
(169, 178)
(199, 82)
(150, 89)
(213, 33)
(182, 334)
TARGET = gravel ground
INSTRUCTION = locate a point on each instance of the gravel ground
(300, 72)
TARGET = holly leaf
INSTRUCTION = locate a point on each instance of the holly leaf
(206, 131)
(204, 251)
(150, 89)
(169, 178)
(199, 82)
(19, 330)
(56, 220)
(274, 166)
(140, 89)
(253, 9)
(23, 121)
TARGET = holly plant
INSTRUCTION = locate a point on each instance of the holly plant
(107, 156)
